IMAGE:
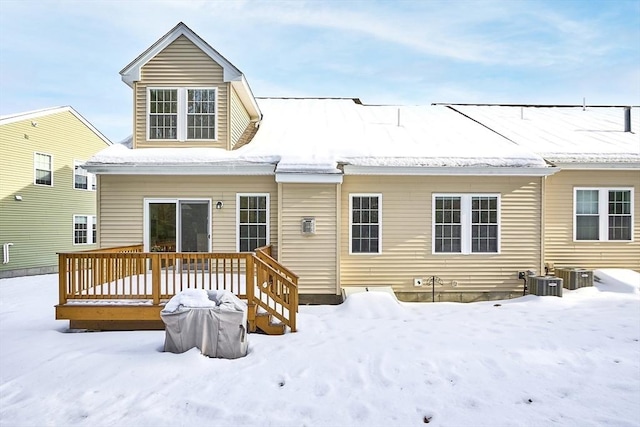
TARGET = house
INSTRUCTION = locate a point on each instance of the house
(47, 201)
(592, 205)
(330, 193)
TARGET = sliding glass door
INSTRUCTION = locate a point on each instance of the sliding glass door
(174, 225)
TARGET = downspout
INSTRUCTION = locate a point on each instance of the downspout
(279, 216)
(338, 234)
(543, 186)
(99, 213)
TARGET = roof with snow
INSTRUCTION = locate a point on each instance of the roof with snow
(565, 135)
(327, 136)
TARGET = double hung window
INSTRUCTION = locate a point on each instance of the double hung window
(603, 214)
(43, 169)
(466, 223)
(182, 114)
(253, 221)
(84, 229)
(365, 223)
(83, 180)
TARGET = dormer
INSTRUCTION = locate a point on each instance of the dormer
(185, 94)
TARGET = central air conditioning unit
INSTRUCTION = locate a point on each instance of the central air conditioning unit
(545, 286)
(574, 278)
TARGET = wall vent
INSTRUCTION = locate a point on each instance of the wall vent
(308, 226)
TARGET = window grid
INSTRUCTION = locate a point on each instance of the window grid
(201, 119)
(484, 224)
(80, 230)
(448, 226)
(619, 215)
(163, 114)
(365, 224)
(252, 222)
(43, 166)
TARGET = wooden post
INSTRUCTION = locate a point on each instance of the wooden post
(155, 278)
(249, 289)
(293, 307)
(62, 279)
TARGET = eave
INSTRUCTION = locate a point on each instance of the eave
(448, 171)
(605, 166)
(181, 169)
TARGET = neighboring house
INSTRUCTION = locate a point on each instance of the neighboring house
(47, 202)
(347, 194)
(592, 206)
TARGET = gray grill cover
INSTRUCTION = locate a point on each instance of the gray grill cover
(218, 330)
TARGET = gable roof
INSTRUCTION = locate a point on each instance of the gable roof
(131, 73)
(17, 117)
(570, 136)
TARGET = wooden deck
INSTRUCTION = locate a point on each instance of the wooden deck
(125, 288)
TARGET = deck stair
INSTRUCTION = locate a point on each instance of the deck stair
(266, 323)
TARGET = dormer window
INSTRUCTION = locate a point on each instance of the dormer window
(181, 114)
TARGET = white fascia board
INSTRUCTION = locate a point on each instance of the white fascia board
(309, 178)
(131, 73)
(630, 166)
(246, 96)
(462, 171)
(179, 169)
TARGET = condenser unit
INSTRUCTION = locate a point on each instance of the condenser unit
(574, 278)
(544, 285)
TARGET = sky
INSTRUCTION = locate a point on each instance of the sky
(408, 52)
(371, 361)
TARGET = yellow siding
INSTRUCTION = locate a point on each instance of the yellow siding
(122, 203)
(42, 223)
(181, 64)
(407, 230)
(239, 118)
(560, 248)
(312, 257)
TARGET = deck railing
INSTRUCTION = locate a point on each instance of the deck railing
(129, 275)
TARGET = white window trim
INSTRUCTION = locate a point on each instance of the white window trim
(91, 178)
(91, 220)
(176, 201)
(465, 223)
(603, 219)
(35, 154)
(181, 121)
(238, 195)
(351, 196)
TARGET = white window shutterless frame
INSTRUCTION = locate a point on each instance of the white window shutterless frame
(466, 223)
(182, 114)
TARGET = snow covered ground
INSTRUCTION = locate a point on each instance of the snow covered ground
(531, 361)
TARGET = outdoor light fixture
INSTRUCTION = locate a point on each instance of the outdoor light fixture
(18, 197)
(219, 205)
